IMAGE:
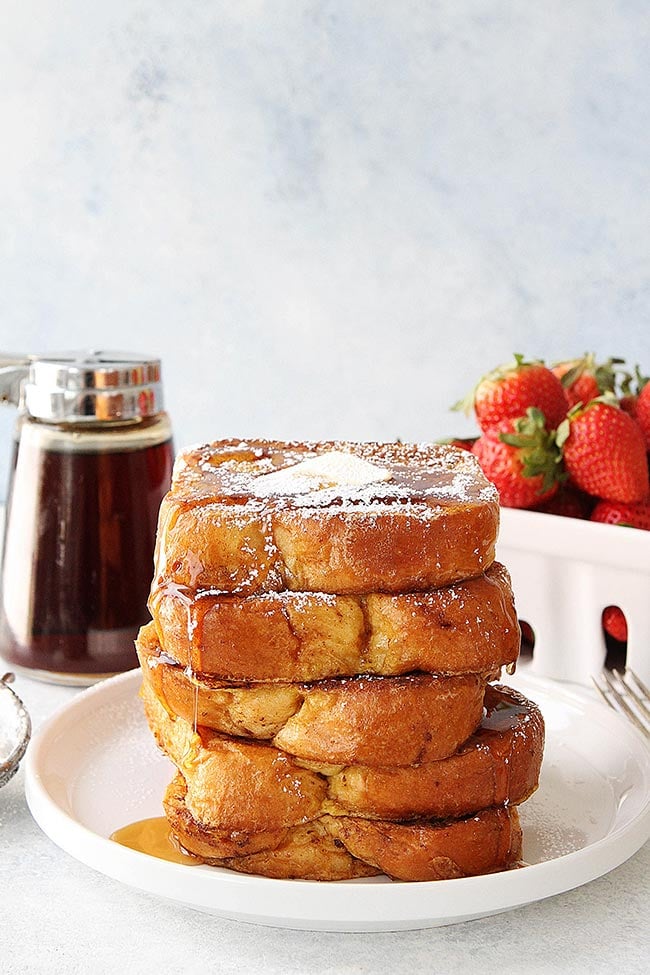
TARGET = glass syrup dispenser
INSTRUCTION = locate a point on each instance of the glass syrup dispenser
(92, 460)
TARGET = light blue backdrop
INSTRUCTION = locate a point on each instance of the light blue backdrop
(327, 217)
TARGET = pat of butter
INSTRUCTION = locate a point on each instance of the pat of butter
(333, 469)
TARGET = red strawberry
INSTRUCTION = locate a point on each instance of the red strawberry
(584, 380)
(568, 502)
(604, 452)
(614, 623)
(507, 392)
(464, 443)
(643, 413)
(628, 404)
(635, 400)
(616, 513)
(522, 463)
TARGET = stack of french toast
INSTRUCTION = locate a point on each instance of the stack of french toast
(328, 621)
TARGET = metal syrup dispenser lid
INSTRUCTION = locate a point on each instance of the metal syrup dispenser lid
(90, 387)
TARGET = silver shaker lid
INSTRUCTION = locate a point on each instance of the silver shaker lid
(90, 386)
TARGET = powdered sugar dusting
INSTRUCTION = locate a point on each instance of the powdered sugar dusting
(417, 475)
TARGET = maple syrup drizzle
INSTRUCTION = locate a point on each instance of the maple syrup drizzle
(192, 621)
(154, 837)
(196, 707)
(191, 626)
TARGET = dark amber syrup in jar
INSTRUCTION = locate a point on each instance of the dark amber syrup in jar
(77, 564)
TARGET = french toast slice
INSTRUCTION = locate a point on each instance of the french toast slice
(307, 851)
(243, 787)
(384, 720)
(469, 626)
(334, 517)
(343, 721)
(488, 841)
(247, 792)
(500, 763)
(341, 848)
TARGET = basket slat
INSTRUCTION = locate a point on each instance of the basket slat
(564, 573)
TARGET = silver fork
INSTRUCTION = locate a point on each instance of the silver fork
(623, 695)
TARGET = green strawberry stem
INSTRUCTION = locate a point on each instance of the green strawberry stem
(606, 373)
(539, 451)
(633, 383)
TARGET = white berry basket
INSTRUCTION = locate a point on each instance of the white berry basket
(564, 573)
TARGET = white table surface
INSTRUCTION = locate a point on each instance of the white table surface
(57, 915)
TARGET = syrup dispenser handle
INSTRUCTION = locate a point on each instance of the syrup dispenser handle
(13, 370)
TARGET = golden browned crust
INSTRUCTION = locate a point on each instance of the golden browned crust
(224, 526)
(241, 789)
(499, 764)
(308, 851)
(488, 841)
(342, 848)
(257, 710)
(316, 669)
(470, 626)
(352, 720)
(384, 720)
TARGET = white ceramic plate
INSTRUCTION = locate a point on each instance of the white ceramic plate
(93, 767)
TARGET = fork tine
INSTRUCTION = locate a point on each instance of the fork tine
(639, 704)
(620, 699)
(639, 683)
(602, 692)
